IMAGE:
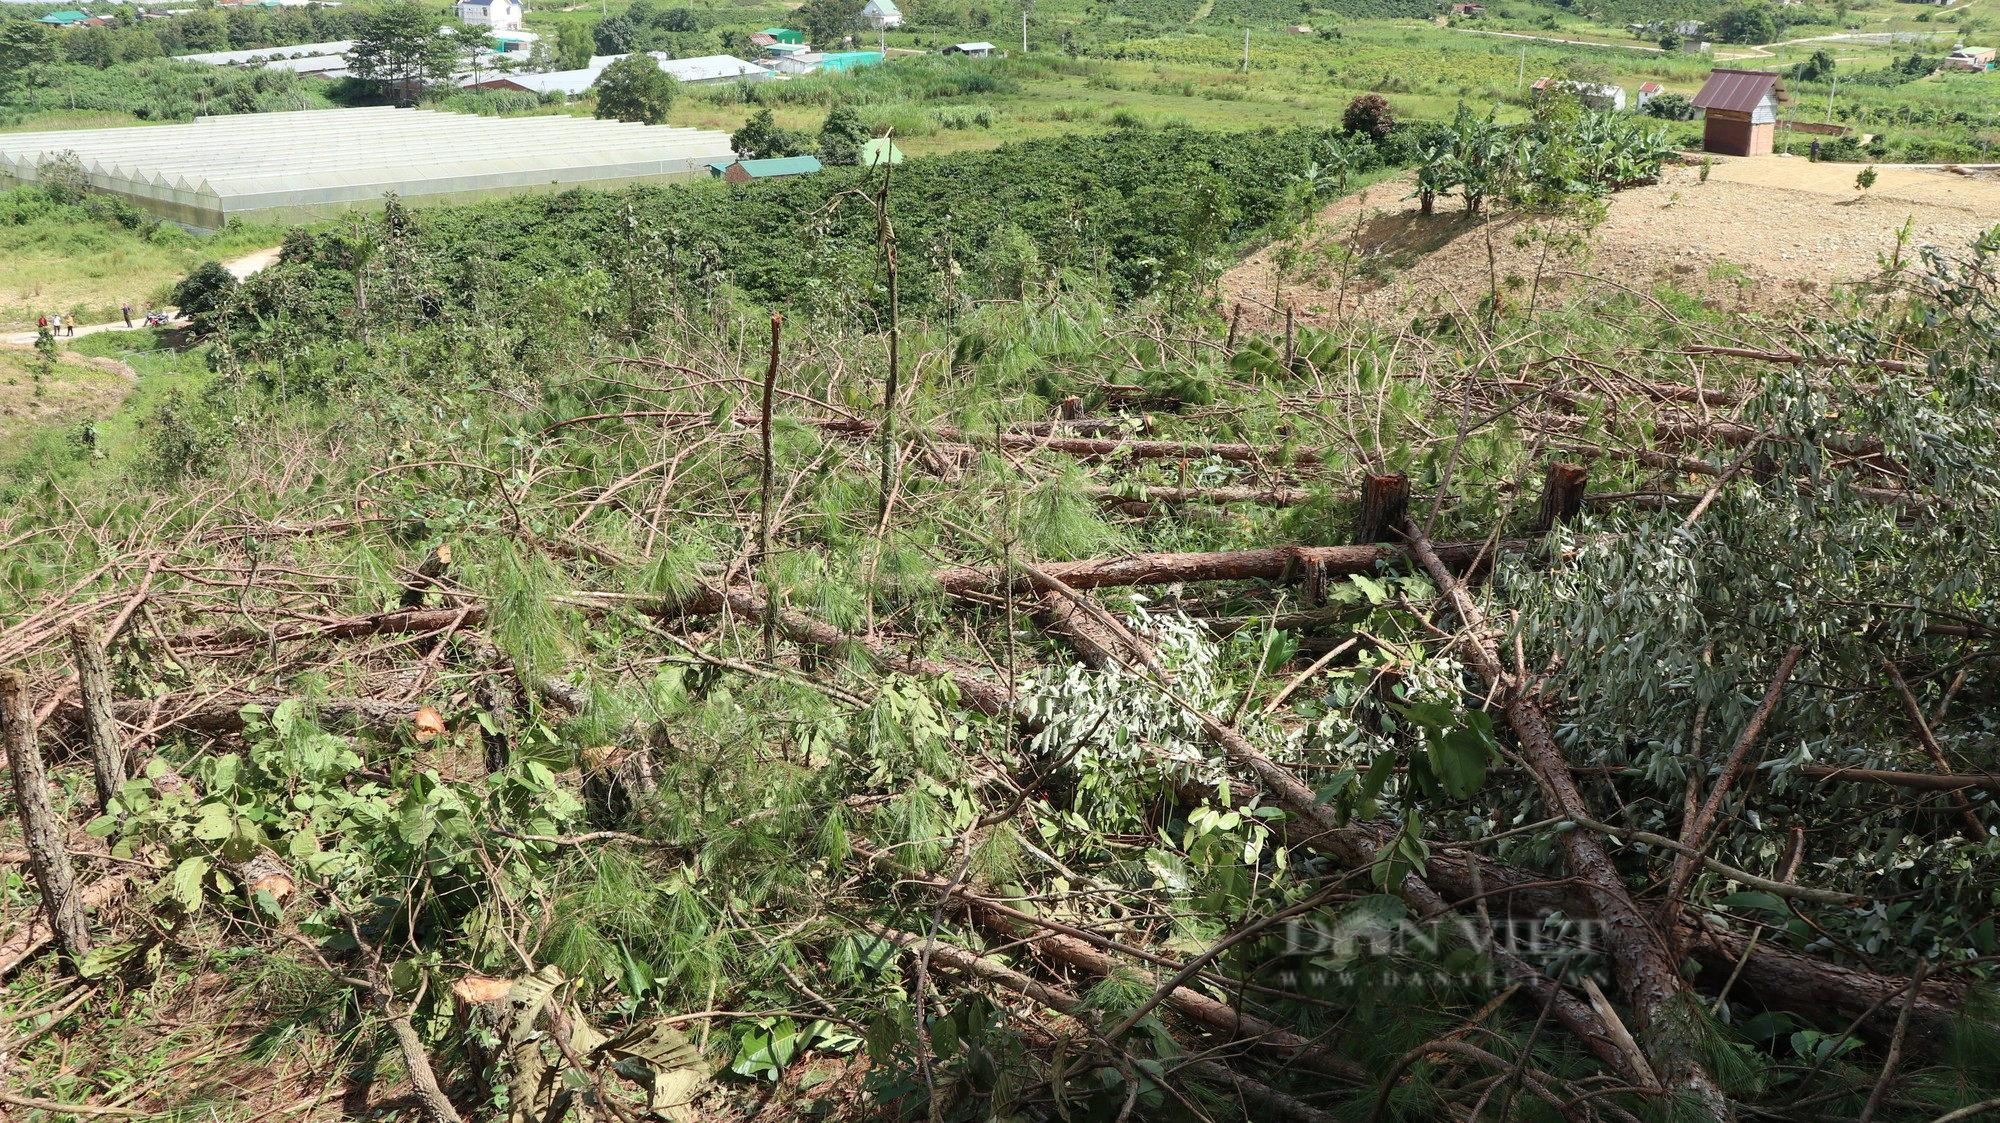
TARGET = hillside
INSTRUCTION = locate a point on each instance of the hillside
(899, 644)
(1769, 236)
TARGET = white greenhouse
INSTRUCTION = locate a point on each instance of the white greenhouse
(298, 167)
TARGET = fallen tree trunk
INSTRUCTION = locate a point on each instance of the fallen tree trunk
(1055, 998)
(1268, 564)
(1088, 447)
(35, 934)
(1218, 1017)
(1646, 970)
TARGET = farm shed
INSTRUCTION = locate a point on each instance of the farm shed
(711, 69)
(1970, 58)
(783, 35)
(305, 166)
(743, 171)
(970, 50)
(1740, 111)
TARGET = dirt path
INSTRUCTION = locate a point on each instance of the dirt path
(241, 268)
(1770, 234)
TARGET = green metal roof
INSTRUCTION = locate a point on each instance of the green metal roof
(784, 165)
(784, 35)
(880, 150)
(64, 17)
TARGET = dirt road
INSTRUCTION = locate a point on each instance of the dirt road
(241, 267)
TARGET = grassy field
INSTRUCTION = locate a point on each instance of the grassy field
(41, 437)
(31, 403)
(70, 264)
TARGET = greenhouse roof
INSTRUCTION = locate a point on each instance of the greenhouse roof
(308, 163)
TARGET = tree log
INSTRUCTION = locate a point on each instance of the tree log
(1056, 998)
(1089, 448)
(40, 827)
(100, 726)
(1266, 564)
(1647, 972)
(1218, 1017)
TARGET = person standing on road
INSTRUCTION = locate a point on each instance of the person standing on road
(55, 324)
(125, 308)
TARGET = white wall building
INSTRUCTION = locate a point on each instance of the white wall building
(500, 15)
(882, 14)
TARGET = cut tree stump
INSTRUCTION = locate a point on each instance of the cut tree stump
(100, 721)
(1563, 486)
(428, 573)
(43, 831)
(1385, 506)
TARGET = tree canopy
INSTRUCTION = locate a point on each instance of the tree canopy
(399, 48)
(635, 89)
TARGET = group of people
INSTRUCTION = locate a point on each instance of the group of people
(58, 324)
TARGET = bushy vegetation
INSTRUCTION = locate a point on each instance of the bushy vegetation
(700, 723)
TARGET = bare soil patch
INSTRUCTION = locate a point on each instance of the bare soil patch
(1770, 234)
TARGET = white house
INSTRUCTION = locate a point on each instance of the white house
(970, 50)
(1597, 96)
(500, 15)
(882, 14)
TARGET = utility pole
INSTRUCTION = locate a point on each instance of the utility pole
(1522, 78)
(1829, 96)
(1246, 50)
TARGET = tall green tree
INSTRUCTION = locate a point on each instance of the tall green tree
(841, 137)
(25, 46)
(398, 48)
(828, 21)
(573, 46)
(635, 89)
(1751, 24)
(762, 138)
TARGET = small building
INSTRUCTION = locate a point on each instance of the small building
(832, 62)
(881, 150)
(711, 69)
(781, 35)
(1740, 111)
(513, 42)
(970, 50)
(785, 50)
(500, 15)
(840, 62)
(65, 19)
(1298, 29)
(1647, 92)
(785, 167)
(1468, 11)
(882, 15)
(1970, 58)
(1596, 96)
